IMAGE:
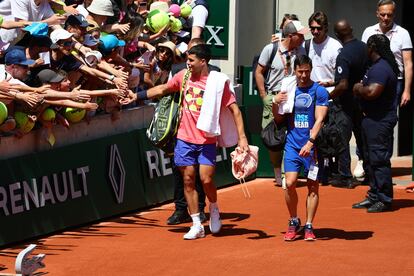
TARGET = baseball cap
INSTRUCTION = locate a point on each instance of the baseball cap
(92, 58)
(101, 7)
(110, 42)
(294, 27)
(60, 34)
(50, 76)
(17, 56)
(76, 20)
(37, 29)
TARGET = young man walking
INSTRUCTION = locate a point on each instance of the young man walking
(195, 149)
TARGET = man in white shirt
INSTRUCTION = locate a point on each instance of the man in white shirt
(323, 51)
(29, 10)
(401, 46)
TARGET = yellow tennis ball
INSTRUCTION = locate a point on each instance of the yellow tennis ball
(23, 122)
(3, 112)
(74, 115)
(185, 10)
(49, 114)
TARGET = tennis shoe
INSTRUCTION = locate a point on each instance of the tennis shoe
(309, 235)
(196, 231)
(293, 230)
(215, 222)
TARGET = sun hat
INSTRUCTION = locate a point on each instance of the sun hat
(168, 44)
(101, 7)
(17, 56)
(161, 6)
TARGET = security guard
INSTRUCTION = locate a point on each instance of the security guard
(378, 103)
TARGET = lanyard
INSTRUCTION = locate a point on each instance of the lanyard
(286, 61)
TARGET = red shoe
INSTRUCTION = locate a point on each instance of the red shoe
(292, 232)
(309, 235)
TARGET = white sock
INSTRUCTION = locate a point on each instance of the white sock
(196, 219)
(309, 224)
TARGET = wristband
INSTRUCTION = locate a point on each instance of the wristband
(311, 140)
(142, 95)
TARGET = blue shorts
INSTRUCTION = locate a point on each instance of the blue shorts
(188, 154)
(293, 162)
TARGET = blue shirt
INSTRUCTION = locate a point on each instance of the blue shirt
(351, 64)
(381, 73)
(302, 119)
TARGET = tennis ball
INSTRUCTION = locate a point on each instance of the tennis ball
(23, 122)
(3, 112)
(74, 115)
(185, 10)
(49, 114)
(176, 25)
(175, 10)
(156, 20)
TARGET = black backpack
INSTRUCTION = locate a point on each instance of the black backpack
(330, 141)
(268, 64)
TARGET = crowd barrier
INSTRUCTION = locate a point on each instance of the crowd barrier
(95, 170)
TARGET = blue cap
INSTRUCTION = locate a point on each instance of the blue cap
(37, 29)
(110, 42)
(17, 56)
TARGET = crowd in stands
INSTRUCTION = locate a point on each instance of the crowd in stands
(64, 61)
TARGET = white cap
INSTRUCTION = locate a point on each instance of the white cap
(59, 34)
(101, 7)
(92, 58)
(89, 40)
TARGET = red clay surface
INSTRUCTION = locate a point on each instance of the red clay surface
(350, 242)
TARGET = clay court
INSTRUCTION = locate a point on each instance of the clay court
(350, 242)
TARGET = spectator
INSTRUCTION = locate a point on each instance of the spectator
(280, 67)
(160, 65)
(401, 46)
(198, 16)
(26, 10)
(310, 109)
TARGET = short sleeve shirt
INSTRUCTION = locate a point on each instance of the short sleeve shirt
(191, 105)
(302, 119)
(323, 57)
(400, 41)
(277, 67)
(381, 73)
(67, 63)
(351, 64)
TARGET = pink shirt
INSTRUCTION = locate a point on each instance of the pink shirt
(191, 106)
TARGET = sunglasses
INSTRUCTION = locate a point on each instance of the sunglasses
(316, 28)
(66, 43)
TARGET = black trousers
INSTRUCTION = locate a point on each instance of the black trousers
(378, 137)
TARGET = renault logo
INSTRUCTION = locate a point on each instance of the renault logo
(117, 174)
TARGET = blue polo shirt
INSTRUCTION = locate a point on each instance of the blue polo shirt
(302, 119)
(384, 105)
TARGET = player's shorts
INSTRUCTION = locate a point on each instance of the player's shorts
(188, 154)
(293, 162)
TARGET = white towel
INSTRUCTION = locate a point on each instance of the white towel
(288, 85)
(214, 121)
